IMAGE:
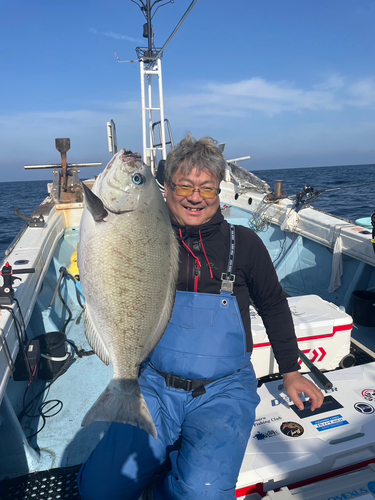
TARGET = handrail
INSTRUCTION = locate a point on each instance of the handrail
(69, 165)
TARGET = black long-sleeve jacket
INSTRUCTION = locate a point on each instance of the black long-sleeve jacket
(255, 277)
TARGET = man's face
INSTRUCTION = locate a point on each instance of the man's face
(192, 210)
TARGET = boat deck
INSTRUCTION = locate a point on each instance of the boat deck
(61, 482)
(52, 484)
(62, 442)
(58, 443)
(55, 432)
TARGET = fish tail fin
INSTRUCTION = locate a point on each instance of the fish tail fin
(122, 402)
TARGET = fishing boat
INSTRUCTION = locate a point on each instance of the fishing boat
(50, 377)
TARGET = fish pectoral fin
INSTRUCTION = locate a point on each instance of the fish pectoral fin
(94, 204)
(94, 338)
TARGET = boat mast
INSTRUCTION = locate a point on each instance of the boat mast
(150, 66)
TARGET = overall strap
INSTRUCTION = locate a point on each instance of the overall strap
(227, 279)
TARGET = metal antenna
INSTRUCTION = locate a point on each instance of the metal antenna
(148, 10)
(150, 66)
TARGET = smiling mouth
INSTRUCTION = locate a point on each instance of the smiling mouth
(190, 209)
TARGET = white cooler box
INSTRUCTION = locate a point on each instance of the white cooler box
(322, 329)
(287, 446)
(360, 483)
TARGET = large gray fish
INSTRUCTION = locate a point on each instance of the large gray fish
(128, 263)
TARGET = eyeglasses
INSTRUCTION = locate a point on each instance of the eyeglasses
(205, 192)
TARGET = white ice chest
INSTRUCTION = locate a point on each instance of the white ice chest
(286, 447)
(359, 483)
(322, 329)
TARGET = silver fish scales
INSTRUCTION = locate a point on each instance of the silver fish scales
(128, 262)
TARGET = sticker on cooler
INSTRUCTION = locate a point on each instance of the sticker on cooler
(292, 429)
(368, 394)
(364, 408)
(326, 424)
(314, 355)
(261, 436)
(265, 426)
(271, 418)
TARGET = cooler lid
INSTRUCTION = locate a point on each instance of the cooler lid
(287, 445)
(312, 316)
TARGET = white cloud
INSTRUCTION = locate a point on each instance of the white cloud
(333, 82)
(117, 36)
(363, 93)
(331, 117)
(272, 98)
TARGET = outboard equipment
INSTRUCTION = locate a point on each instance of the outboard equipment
(6, 290)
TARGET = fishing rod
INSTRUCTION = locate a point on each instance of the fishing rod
(319, 376)
(311, 194)
(345, 187)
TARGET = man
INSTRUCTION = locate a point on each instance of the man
(198, 382)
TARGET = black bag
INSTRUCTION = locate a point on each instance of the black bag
(54, 353)
(48, 353)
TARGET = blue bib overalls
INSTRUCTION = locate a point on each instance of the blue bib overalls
(203, 428)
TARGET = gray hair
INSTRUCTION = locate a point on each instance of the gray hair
(202, 155)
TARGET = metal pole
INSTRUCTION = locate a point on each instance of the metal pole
(141, 65)
(162, 123)
(151, 146)
(149, 28)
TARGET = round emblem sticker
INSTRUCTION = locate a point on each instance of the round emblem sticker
(364, 408)
(291, 429)
(369, 394)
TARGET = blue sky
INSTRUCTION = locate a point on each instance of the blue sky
(291, 83)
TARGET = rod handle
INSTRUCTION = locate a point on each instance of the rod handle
(321, 378)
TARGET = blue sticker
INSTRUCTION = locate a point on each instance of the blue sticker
(328, 423)
(364, 408)
(261, 436)
(371, 486)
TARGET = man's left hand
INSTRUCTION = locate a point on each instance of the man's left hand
(296, 384)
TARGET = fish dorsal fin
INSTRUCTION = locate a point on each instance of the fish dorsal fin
(94, 339)
(94, 204)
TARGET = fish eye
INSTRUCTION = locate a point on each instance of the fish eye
(138, 179)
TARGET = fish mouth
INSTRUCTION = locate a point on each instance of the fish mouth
(128, 156)
(106, 202)
(119, 212)
(109, 208)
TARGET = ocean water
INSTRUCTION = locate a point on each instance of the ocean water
(352, 203)
(27, 196)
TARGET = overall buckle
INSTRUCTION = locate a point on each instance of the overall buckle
(227, 282)
(179, 383)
